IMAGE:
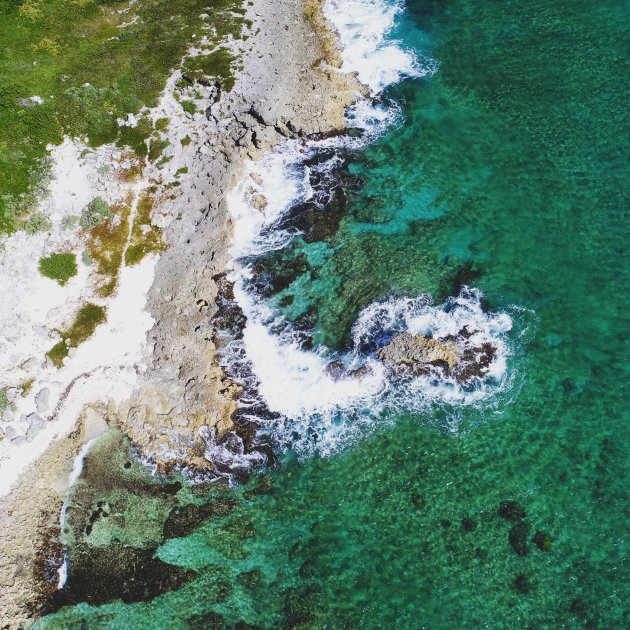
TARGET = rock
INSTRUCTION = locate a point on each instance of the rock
(416, 351)
(511, 511)
(445, 523)
(41, 399)
(542, 540)
(469, 524)
(522, 584)
(518, 538)
(35, 425)
(259, 202)
(417, 500)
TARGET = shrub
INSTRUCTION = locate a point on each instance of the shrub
(189, 107)
(59, 267)
(69, 222)
(37, 222)
(94, 213)
(86, 259)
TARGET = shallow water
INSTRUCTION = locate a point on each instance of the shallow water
(508, 173)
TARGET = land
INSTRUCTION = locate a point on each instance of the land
(141, 357)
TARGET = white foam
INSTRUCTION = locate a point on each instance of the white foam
(364, 29)
(320, 411)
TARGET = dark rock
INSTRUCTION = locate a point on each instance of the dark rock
(336, 369)
(542, 540)
(518, 538)
(482, 554)
(184, 519)
(445, 523)
(209, 621)
(417, 500)
(578, 608)
(99, 575)
(250, 579)
(511, 510)
(521, 584)
(469, 524)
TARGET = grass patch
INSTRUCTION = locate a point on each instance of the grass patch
(90, 63)
(146, 238)
(106, 245)
(59, 267)
(87, 319)
(211, 69)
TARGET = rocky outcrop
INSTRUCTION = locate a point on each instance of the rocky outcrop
(454, 356)
(416, 352)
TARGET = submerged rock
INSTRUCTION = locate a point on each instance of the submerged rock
(522, 584)
(511, 511)
(518, 538)
(542, 540)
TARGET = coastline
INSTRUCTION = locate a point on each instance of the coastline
(182, 387)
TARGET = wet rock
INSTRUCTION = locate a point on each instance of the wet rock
(542, 540)
(417, 351)
(469, 524)
(511, 511)
(259, 202)
(518, 538)
(522, 584)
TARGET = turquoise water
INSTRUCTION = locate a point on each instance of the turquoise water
(509, 173)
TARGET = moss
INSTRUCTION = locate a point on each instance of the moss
(146, 238)
(4, 400)
(26, 387)
(181, 171)
(185, 141)
(59, 267)
(88, 317)
(161, 124)
(106, 246)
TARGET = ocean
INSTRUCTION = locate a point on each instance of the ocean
(483, 186)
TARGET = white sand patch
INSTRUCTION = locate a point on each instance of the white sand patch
(103, 368)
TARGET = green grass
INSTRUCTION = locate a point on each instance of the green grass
(59, 267)
(146, 238)
(89, 70)
(87, 319)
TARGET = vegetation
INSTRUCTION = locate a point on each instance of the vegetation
(95, 213)
(90, 63)
(106, 246)
(4, 400)
(146, 238)
(69, 222)
(59, 267)
(87, 319)
(37, 222)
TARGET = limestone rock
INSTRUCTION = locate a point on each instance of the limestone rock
(415, 351)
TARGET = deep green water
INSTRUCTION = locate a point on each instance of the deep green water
(510, 173)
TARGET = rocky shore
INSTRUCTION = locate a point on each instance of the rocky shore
(288, 87)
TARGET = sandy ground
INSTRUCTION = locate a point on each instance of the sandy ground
(151, 369)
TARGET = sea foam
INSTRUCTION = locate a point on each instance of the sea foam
(314, 408)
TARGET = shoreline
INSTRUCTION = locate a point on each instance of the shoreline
(183, 382)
